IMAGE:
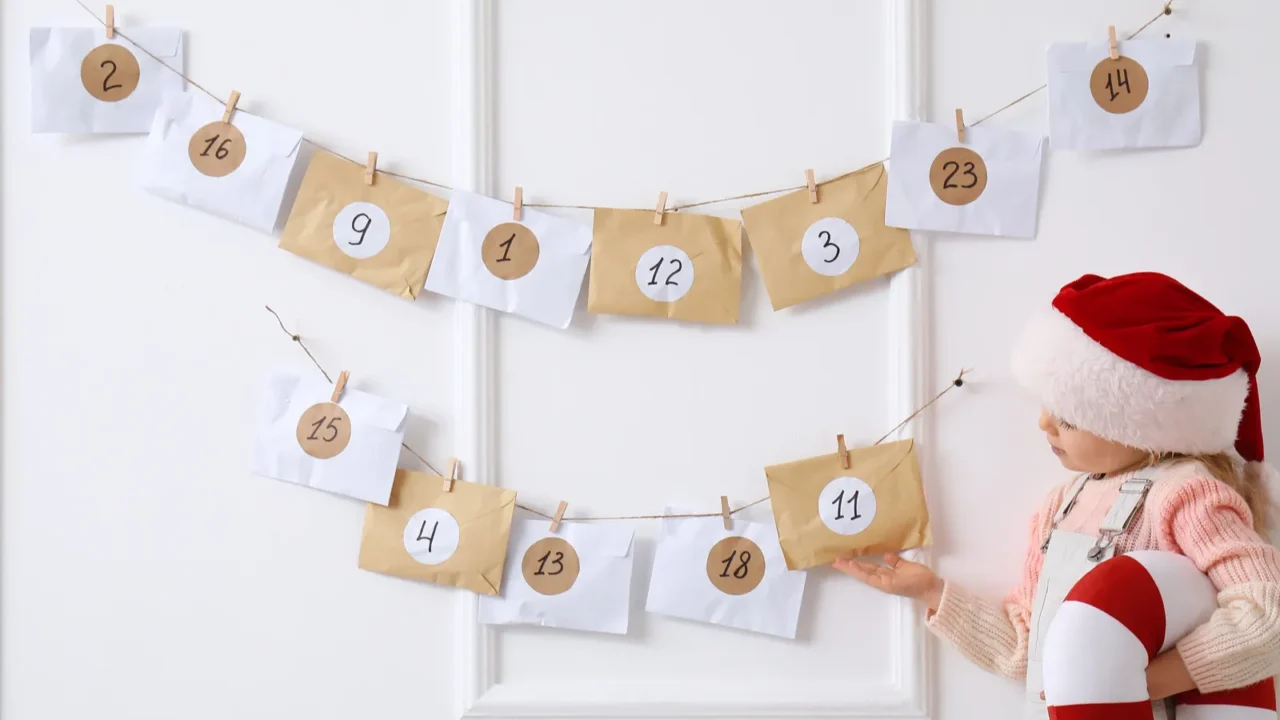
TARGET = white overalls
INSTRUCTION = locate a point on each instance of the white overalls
(1067, 557)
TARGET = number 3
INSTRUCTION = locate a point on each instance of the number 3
(826, 242)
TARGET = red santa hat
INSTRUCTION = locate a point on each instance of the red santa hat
(1144, 361)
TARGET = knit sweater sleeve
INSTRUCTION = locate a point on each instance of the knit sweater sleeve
(1240, 644)
(993, 635)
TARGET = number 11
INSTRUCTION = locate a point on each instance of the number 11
(839, 503)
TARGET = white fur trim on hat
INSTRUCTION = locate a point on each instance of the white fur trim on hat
(1083, 383)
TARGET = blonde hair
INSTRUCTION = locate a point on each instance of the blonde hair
(1245, 478)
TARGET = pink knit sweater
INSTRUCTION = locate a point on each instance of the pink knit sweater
(1187, 512)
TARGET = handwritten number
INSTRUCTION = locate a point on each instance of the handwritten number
(839, 503)
(955, 168)
(107, 79)
(362, 230)
(222, 151)
(658, 266)
(826, 242)
(744, 559)
(557, 561)
(1118, 79)
(315, 428)
(506, 248)
(431, 539)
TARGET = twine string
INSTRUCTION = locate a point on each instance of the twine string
(957, 382)
(1167, 9)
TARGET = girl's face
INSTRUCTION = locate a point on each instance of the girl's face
(1083, 451)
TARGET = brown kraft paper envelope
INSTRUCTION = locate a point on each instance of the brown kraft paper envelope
(775, 229)
(901, 519)
(330, 185)
(483, 514)
(714, 245)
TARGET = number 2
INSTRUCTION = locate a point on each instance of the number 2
(506, 248)
(222, 150)
(955, 168)
(362, 230)
(557, 561)
(744, 558)
(1121, 79)
(107, 79)
(658, 265)
(826, 242)
(839, 503)
(315, 428)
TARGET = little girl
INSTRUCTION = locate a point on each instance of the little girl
(1150, 392)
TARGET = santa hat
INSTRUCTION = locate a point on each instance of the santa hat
(1142, 360)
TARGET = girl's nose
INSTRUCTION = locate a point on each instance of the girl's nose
(1047, 423)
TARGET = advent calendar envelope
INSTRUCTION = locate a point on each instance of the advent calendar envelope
(238, 170)
(825, 511)
(687, 268)
(532, 268)
(1149, 97)
(987, 185)
(577, 578)
(456, 537)
(384, 234)
(350, 447)
(734, 578)
(81, 82)
(808, 249)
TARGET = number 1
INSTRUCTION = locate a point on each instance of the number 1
(506, 248)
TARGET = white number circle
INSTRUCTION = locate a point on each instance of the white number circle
(431, 536)
(830, 246)
(361, 230)
(847, 505)
(664, 273)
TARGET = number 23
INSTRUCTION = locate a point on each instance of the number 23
(955, 168)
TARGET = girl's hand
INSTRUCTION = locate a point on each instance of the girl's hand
(896, 577)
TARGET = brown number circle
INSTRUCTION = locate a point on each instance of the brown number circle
(110, 72)
(550, 566)
(217, 149)
(509, 251)
(324, 430)
(1119, 86)
(735, 566)
(958, 176)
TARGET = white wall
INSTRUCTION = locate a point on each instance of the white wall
(147, 574)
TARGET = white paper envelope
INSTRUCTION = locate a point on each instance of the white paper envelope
(60, 102)
(547, 293)
(689, 555)
(1006, 206)
(365, 469)
(598, 599)
(251, 194)
(1169, 116)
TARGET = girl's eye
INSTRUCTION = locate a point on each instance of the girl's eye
(1065, 425)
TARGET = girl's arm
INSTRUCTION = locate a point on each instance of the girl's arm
(994, 636)
(1240, 644)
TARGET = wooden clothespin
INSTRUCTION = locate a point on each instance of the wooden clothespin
(661, 209)
(231, 106)
(844, 452)
(813, 186)
(518, 203)
(111, 21)
(1111, 40)
(370, 167)
(960, 125)
(339, 386)
(453, 475)
(555, 521)
(724, 512)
